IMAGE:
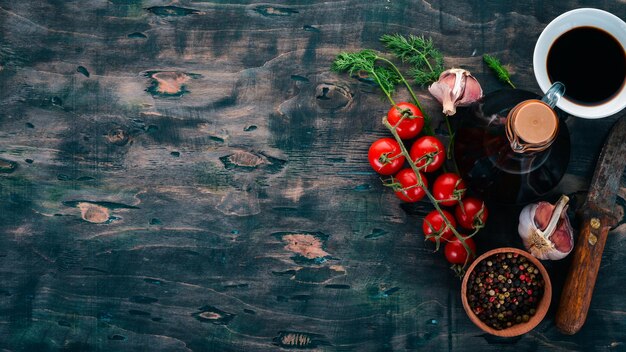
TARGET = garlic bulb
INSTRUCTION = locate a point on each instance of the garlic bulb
(546, 230)
(455, 87)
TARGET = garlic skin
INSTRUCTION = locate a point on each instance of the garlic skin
(455, 87)
(546, 230)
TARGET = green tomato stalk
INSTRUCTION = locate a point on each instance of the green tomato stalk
(430, 196)
(386, 77)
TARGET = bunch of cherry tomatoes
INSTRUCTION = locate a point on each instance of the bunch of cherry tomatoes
(428, 154)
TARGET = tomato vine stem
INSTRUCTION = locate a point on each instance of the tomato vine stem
(414, 167)
(427, 125)
(430, 196)
(450, 151)
(386, 78)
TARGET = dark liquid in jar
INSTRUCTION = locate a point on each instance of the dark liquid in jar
(488, 164)
(590, 62)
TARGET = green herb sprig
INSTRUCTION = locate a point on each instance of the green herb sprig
(501, 71)
(365, 61)
(382, 71)
(418, 51)
(427, 62)
(387, 76)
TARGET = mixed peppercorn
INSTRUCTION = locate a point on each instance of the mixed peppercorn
(504, 289)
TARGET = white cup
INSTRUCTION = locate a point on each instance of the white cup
(584, 17)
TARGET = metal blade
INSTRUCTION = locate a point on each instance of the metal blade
(609, 169)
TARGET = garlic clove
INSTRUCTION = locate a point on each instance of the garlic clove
(455, 87)
(442, 93)
(562, 239)
(543, 213)
(561, 236)
(546, 229)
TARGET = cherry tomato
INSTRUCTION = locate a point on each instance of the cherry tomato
(456, 253)
(385, 156)
(433, 224)
(449, 188)
(412, 123)
(471, 213)
(411, 192)
(429, 151)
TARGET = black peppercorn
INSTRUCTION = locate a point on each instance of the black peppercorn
(505, 291)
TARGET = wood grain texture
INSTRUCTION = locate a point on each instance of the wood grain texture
(581, 278)
(189, 176)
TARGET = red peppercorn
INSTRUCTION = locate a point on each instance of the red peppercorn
(506, 291)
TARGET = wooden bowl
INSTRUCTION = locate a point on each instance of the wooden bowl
(517, 329)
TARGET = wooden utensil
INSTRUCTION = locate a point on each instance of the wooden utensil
(597, 220)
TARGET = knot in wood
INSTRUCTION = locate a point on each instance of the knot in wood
(93, 213)
(330, 96)
(168, 83)
(118, 136)
(7, 166)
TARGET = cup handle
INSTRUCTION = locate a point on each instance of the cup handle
(556, 91)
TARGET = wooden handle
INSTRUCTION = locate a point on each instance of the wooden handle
(581, 278)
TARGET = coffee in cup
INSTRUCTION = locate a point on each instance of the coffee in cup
(585, 50)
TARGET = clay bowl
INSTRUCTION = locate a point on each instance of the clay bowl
(517, 329)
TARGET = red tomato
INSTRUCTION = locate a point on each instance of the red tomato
(428, 151)
(412, 123)
(471, 213)
(385, 156)
(434, 224)
(411, 192)
(449, 188)
(457, 254)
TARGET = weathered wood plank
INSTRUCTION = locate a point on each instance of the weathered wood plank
(190, 176)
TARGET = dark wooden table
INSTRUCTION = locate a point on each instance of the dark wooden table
(190, 176)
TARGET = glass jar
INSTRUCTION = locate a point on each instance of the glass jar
(508, 161)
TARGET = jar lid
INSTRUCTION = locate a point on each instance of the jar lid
(531, 126)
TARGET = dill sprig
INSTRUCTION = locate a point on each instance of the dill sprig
(365, 61)
(418, 51)
(496, 66)
(380, 69)
(352, 63)
(387, 75)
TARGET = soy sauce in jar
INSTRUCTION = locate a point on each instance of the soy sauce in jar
(489, 164)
